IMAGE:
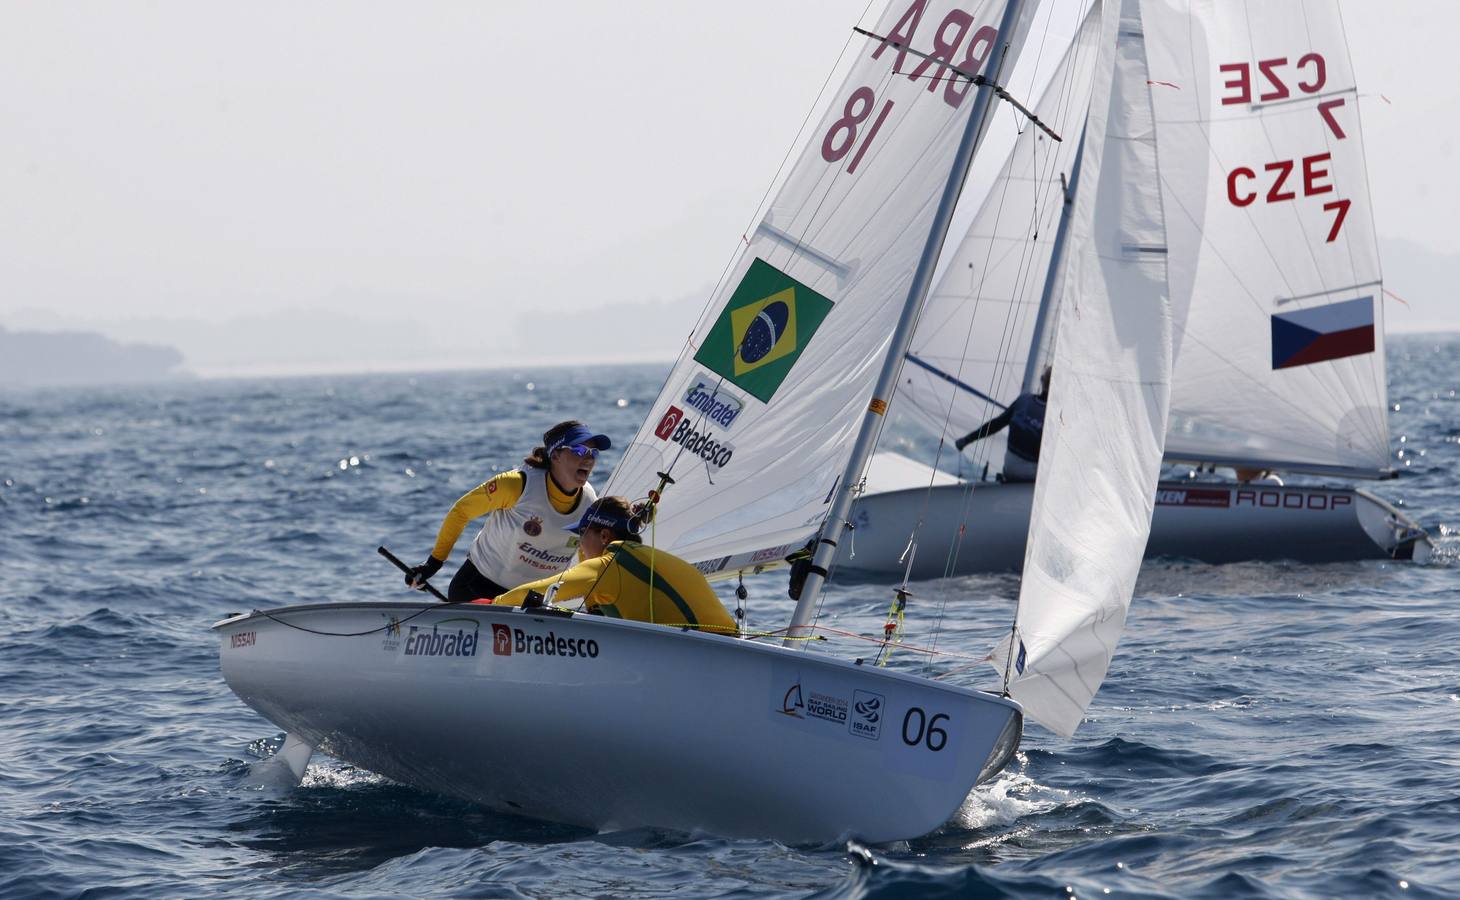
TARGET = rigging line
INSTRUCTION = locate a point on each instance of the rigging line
(1203, 127)
(1028, 253)
(795, 144)
(1353, 372)
(820, 222)
(1023, 272)
(1066, 91)
(977, 80)
(386, 627)
(756, 215)
(827, 182)
(915, 648)
(1063, 94)
(1328, 390)
(1261, 388)
(948, 125)
(1359, 132)
(1040, 180)
(1294, 213)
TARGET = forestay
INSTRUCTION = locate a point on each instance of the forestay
(759, 414)
(968, 356)
(1107, 407)
(1273, 253)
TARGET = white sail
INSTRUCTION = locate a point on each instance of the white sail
(1273, 255)
(974, 338)
(759, 414)
(1106, 420)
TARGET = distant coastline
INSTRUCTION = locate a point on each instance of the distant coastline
(59, 358)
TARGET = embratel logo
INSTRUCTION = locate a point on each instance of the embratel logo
(441, 641)
(714, 401)
(533, 526)
(762, 330)
(502, 640)
(666, 424)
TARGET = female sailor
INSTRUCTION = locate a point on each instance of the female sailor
(624, 579)
(527, 511)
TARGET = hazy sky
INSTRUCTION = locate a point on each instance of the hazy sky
(286, 186)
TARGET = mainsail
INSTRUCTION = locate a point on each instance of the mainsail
(1274, 270)
(758, 416)
(1279, 352)
(1106, 420)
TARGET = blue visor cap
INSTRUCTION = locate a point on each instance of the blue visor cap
(581, 435)
(595, 518)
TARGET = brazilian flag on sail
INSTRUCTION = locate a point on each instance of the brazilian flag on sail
(762, 330)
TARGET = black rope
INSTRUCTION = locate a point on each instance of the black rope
(386, 627)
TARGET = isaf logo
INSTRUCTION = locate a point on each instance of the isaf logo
(866, 720)
(667, 424)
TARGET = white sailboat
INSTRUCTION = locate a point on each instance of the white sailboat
(1275, 279)
(764, 425)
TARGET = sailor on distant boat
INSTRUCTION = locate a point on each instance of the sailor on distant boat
(1025, 421)
(625, 579)
(527, 510)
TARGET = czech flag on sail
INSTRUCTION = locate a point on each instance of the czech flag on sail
(761, 332)
(1322, 333)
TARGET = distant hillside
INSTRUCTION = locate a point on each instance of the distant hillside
(35, 358)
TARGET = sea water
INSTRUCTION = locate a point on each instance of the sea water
(1267, 729)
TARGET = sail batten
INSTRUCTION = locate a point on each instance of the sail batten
(1271, 229)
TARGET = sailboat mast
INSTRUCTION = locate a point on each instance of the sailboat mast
(902, 334)
(1056, 256)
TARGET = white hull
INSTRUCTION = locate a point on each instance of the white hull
(1210, 521)
(624, 724)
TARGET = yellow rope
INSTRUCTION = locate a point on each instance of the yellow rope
(892, 631)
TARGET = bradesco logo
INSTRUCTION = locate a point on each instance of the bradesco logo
(710, 396)
(666, 424)
(507, 640)
(675, 427)
(502, 640)
(703, 444)
(441, 640)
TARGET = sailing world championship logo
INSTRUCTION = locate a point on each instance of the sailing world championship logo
(762, 330)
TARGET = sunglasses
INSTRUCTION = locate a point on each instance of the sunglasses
(581, 450)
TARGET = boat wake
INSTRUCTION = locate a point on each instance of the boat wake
(1007, 799)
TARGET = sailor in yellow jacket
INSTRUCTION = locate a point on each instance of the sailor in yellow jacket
(622, 578)
(526, 511)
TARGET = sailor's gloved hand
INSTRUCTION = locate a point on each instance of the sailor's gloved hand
(416, 576)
